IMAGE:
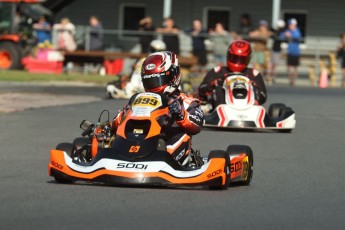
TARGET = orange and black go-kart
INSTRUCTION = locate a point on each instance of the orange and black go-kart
(138, 154)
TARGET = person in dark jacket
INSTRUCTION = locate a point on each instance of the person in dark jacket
(199, 35)
(96, 34)
(276, 51)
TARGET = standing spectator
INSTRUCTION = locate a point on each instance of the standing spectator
(341, 54)
(146, 26)
(293, 37)
(65, 32)
(198, 41)
(221, 40)
(96, 33)
(276, 50)
(42, 29)
(260, 56)
(170, 35)
(245, 25)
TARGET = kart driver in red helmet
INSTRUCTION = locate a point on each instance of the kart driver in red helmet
(160, 74)
(239, 52)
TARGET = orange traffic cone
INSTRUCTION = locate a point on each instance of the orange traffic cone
(323, 81)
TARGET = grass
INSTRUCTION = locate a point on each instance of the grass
(23, 76)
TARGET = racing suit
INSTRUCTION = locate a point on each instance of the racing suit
(179, 133)
(211, 88)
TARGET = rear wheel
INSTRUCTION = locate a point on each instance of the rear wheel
(234, 150)
(10, 56)
(221, 154)
(68, 148)
(274, 110)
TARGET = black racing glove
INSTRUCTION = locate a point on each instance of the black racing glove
(176, 109)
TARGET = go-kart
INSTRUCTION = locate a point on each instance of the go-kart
(240, 111)
(138, 153)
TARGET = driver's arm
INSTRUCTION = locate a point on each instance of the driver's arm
(259, 87)
(193, 117)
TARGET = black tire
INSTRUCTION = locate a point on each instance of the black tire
(68, 148)
(233, 150)
(80, 142)
(285, 112)
(221, 154)
(274, 110)
(14, 52)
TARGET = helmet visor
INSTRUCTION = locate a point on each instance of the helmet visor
(156, 80)
(236, 59)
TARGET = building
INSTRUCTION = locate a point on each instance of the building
(320, 21)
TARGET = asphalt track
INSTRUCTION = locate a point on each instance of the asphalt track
(298, 180)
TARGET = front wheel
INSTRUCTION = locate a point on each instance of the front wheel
(274, 110)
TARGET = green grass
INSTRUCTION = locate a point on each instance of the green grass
(23, 76)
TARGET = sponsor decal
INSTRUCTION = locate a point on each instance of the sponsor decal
(194, 118)
(146, 101)
(242, 116)
(153, 75)
(131, 166)
(57, 165)
(150, 66)
(181, 154)
(235, 167)
(134, 149)
(213, 174)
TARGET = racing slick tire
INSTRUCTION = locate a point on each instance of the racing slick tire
(68, 148)
(285, 113)
(80, 142)
(274, 110)
(233, 150)
(221, 154)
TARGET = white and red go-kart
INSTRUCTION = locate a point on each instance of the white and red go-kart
(240, 111)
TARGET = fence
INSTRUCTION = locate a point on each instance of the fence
(316, 51)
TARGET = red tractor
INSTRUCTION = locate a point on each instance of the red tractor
(16, 38)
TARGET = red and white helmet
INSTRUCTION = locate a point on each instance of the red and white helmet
(160, 72)
(239, 55)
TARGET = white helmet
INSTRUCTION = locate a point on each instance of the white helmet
(157, 45)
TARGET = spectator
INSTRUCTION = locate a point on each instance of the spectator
(65, 32)
(42, 29)
(276, 50)
(293, 37)
(261, 56)
(146, 26)
(198, 41)
(245, 25)
(96, 33)
(170, 35)
(221, 40)
(341, 54)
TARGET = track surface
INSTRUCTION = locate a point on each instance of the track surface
(298, 180)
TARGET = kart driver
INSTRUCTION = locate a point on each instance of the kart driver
(134, 85)
(160, 73)
(211, 88)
